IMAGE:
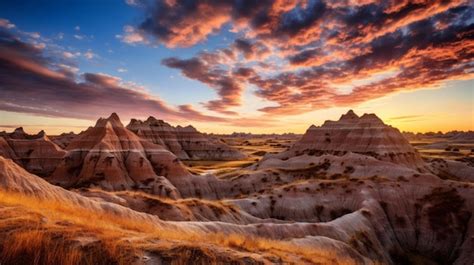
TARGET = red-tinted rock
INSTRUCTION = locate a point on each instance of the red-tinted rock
(110, 156)
(35, 153)
(63, 139)
(185, 142)
(366, 135)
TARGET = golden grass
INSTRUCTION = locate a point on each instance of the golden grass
(166, 199)
(63, 210)
(216, 167)
(29, 243)
(49, 232)
(186, 202)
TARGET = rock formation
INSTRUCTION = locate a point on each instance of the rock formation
(110, 156)
(185, 142)
(15, 179)
(414, 217)
(454, 170)
(5, 149)
(36, 153)
(366, 135)
(63, 139)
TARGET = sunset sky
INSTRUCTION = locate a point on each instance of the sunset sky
(249, 66)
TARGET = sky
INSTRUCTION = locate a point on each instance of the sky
(236, 65)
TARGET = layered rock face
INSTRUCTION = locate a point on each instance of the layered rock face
(5, 149)
(110, 156)
(185, 142)
(366, 135)
(393, 221)
(63, 139)
(13, 178)
(36, 153)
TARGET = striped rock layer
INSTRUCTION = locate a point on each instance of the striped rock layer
(35, 153)
(366, 135)
(185, 142)
(111, 157)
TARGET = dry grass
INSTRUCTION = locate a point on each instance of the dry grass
(64, 210)
(25, 246)
(50, 232)
(216, 167)
(254, 148)
(279, 248)
(36, 231)
(191, 209)
(186, 202)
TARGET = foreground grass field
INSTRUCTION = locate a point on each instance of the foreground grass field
(35, 231)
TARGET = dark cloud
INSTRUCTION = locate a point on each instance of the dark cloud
(227, 85)
(299, 19)
(244, 72)
(306, 56)
(245, 47)
(407, 117)
(251, 51)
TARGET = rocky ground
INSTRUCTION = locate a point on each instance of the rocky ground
(352, 191)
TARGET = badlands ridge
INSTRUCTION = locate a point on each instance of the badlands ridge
(352, 191)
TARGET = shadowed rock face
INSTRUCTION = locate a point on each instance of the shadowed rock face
(185, 142)
(15, 179)
(454, 170)
(110, 156)
(63, 139)
(36, 153)
(366, 135)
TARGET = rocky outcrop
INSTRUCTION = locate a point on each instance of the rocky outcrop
(15, 179)
(63, 139)
(189, 209)
(366, 135)
(5, 150)
(36, 153)
(398, 221)
(454, 170)
(111, 157)
(185, 142)
(451, 136)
